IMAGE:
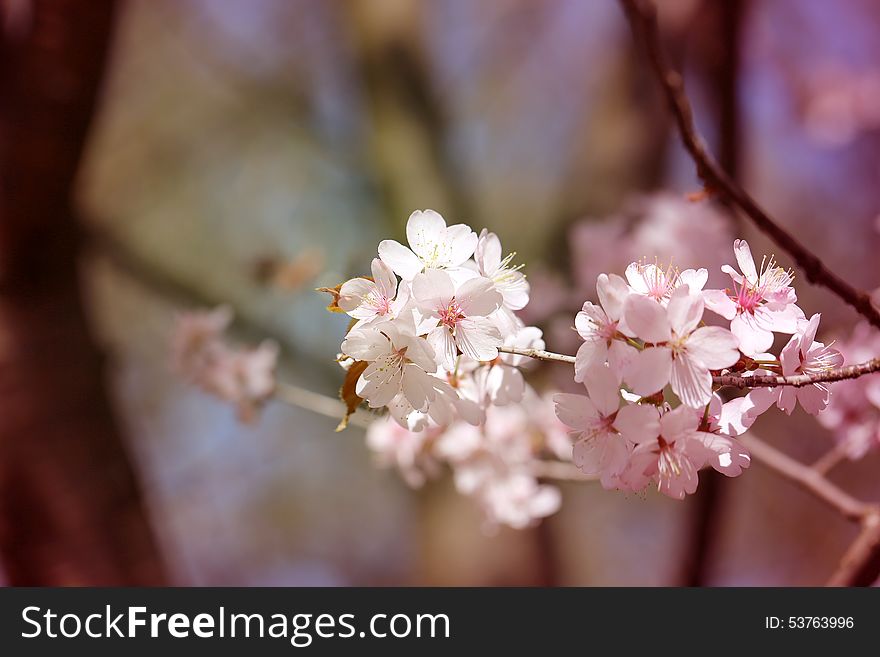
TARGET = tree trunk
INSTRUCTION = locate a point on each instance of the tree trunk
(71, 511)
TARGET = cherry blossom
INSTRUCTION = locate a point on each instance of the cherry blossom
(196, 338)
(501, 382)
(604, 433)
(601, 327)
(853, 412)
(432, 245)
(366, 299)
(673, 457)
(407, 450)
(459, 315)
(802, 355)
(760, 304)
(658, 283)
(508, 280)
(680, 353)
(399, 362)
(518, 500)
(244, 377)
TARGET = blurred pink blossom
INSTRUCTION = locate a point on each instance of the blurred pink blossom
(243, 376)
(853, 413)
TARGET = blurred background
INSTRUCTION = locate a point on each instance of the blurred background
(163, 155)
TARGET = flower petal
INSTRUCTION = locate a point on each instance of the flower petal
(478, 338)
(603, 388)
(384, 278)
(719, 303)
(402, 261)
(425, 230)
(590, 353)
(638, 423)
(691, 381)
(649, 371)
(745, 260)
(575, 411)
(478, 297)
(685, 310)
(646, 318)
(433, 290)
(459, 243)
(488, 253)
(713, 346)
(612, 291)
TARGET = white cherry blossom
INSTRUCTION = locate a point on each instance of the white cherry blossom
(432, 245)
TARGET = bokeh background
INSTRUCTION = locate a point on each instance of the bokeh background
(163, 155)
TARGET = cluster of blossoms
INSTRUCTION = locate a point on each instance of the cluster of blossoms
(496, 463)
(435, 341)
(202, 356)
(853, 413)
(424, 344)
(651, 414)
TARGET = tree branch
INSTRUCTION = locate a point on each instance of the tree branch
(736, 380)
(642, 15)
(807, 478)
(317, 403)
(798, 380)
(860, 565)
(538, 354)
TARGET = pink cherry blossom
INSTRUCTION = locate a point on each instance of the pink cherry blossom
(853, 413)
(432, 245)
(509, 281)
(680, 353)
(196, 338)
(802, 355)
(366, 299)
(244, 377)
(493, 463)
(760, 304)
(673, 457)
(604, 433)
(459, 315)
(409, 451)
(601, 327)
(399, 361)
(501, 381)
(658, 283)
(518, 500)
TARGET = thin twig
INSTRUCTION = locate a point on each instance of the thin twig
(830, 459)
(538, 354)
(560, 471)
(807, 478)
(318, 403)
(798, 380)
(642, 15)
(860, 565)
(333, 408)
(736, 380)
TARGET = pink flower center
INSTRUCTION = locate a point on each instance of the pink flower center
(451, 314)
(773, 281)
(747, 298)
(379, 303)
(669, 462)
(659, 282)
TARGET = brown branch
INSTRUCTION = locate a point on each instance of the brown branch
(538, 354)
(798, 380)
(808, 479)
(642, 15)
(736, 380)
(860, 565)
